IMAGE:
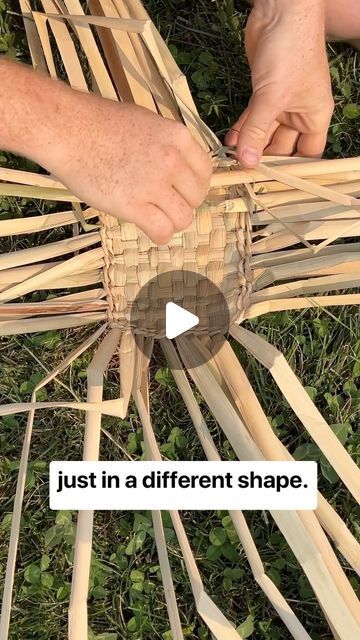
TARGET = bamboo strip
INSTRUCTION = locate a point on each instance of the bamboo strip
(140, 92)
(78, 626)
(161, 94)
(333, 264)
(127, 352)
(44, 279)
(31, 325)
(306, 546)
(272, 448)
(41, 193)
(257, 567)
(309, 187)
(141, 385)
(289, 304)
(29, 178)
(219, 626)
(114, 408)
(281, 198)
(20, 486)
(23, 310)
(180, 90)
(307, 230)
(88, 43)
(45, 252)
(262, 260)
(66, 48)
(304, 287)
(36, 224)
(109, 47)
(32, 36)
(306, 169)
(268, 186)
(80, 279)
(303, 407)
(41, 26)
(106, 22)
(305, 212)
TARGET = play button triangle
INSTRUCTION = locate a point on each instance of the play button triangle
(178, 320)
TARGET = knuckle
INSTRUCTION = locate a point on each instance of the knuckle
(171, 157)
(163, 233)
(256, 132)
(182, 133)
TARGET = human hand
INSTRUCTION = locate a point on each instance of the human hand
(132, 164)
(291, 105)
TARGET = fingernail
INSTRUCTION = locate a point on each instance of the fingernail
(250, 156)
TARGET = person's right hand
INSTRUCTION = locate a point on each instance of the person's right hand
(130, 163)
(291, 105)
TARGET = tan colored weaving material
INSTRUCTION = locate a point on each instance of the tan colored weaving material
(268, 239)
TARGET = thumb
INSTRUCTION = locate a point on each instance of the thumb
(253, 135)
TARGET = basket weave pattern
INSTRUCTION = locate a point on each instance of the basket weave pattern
(216, 246)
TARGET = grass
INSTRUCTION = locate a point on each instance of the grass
(126, 599)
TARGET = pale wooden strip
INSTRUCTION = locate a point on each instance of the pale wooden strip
(260, 429)
(141, 384)
(29, 178)
(66, 48)
(288, 304)
(32, 36)
(20, 486)
(18, 226)
(282, 223)
(305, 212)
(41, 26)
(78, 624)
(309, 187)
(223, 178)
(332, 264)
(15, 327)
(110, 50)
(303, 407)
(88, 43)
(264, 201)
(308, 230)
(114, 408)
(127, 350)
(49, 307)
(52, 250)
(304, 287)
(268, 186)
(42, 193)
(43, 280)
(162, 96)
(296, 255)
(106, 22)
(83, 278)
(306, 544)
(278, 198)
(219, 626)
(139, 89)
(257, 567)
(180, 90)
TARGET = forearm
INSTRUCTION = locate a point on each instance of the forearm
(37, 114)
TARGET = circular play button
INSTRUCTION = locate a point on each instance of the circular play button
(180, 303)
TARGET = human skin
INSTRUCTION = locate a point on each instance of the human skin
(342, 19)
(119, 158)
(291, 105)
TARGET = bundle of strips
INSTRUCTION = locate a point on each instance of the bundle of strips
(273, 239)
